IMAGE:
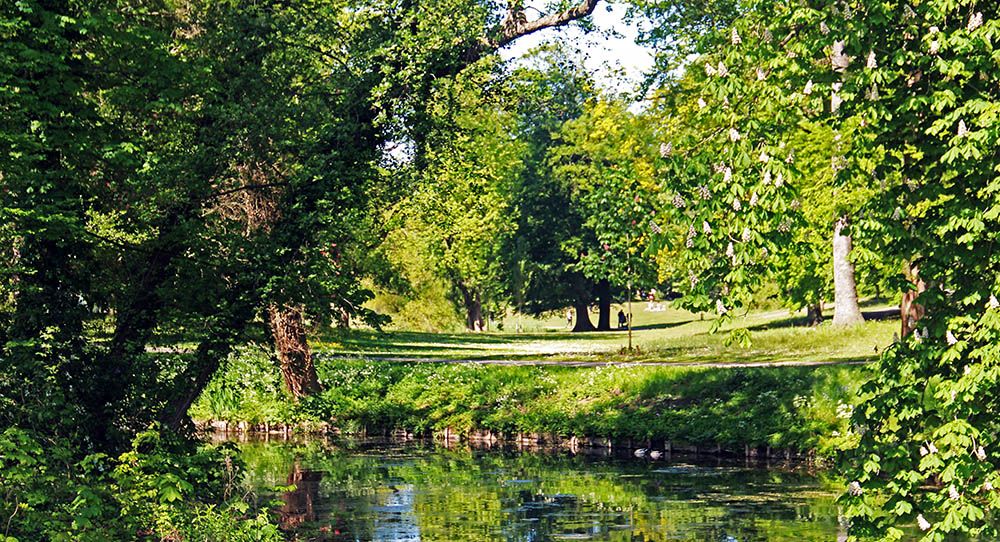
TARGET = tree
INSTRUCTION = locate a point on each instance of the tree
(605, 157)
(460, 214)
(545, 251)
(919, 82)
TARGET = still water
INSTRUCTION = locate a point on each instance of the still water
(407, 492)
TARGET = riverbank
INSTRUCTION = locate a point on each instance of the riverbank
(741, 411)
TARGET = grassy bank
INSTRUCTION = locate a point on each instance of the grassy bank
(799, 408)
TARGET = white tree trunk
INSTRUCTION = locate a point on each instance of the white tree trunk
(846, 311)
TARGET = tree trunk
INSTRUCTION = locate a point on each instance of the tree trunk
(604, 302)
(289, 333)
(473, 308)
(910, 311)
(582, 317)
(846, 311)
(815, 314)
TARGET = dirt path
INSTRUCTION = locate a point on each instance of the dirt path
(534, 362)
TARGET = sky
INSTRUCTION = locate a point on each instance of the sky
(608, 56)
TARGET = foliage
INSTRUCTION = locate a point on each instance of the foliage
(154, 490)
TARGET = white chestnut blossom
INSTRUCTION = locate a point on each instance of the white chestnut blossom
(923, 451)
(934, 47)
(746, 235)
(981, 453)
(809, 88)
(734, 135)
(779, 180)
(720, 307)
(678, 201)
(731, 251)
(835, 99)
(988, 485)
(872, 63)
(666, 149)
(736, 204)
(727, 174)
(993, 302)
(975, 21)
(764, 157)
(767, 178)
(701, 103)
(753, 199)
(897, 213)
(908, 12)
(953, 493)
(950, 337)
(761, 74)
(923, 523)
(722, 69)
(872, 93)
(824, 28)
(854, 488)
(705, 227)
(735, 37)
(963, 130)
(704, 192)
(930, 447)
(709, 70)
(838, 59)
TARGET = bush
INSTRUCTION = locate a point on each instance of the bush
(160, 489)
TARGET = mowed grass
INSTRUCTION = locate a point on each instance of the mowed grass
(665, 336)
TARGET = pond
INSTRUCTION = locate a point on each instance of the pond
(369, 490)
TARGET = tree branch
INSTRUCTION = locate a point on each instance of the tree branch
(517, 25)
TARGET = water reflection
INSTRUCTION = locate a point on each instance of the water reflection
(390, 492)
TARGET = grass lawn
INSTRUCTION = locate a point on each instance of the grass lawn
(669, 335)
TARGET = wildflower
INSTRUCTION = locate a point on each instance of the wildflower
(981, 453)
(993, 302)
(736, 204)
(678, 201)
(704, 192)
(666, 149)
(764, 157)
(761, 74)
(953, 493)
(701, 103)
(722, 69)
(727, 174)
(963, 130)
(747, 235)
(854, 488)
(824, 28)
(872, 63)
(753, 199)
(735, 37)
(950, 337)
(709, 70)
(922, 522)
(809, 88)
(975, 21)
(705, 227)
(720, 307)
(838, 59)
(734, 135)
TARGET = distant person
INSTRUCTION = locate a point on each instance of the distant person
(622, 320)
(569, 317)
